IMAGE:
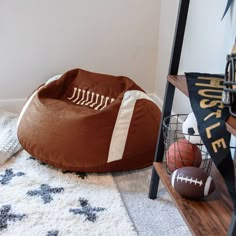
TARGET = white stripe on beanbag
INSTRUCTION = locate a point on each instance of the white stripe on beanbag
(24, 108)
(120, 132)
(53, 78)
(31, 97)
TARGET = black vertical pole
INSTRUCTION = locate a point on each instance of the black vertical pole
(170, 89)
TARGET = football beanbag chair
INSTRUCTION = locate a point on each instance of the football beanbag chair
(90, 122)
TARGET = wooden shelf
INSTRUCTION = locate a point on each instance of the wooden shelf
(180, 83)
(210, 216)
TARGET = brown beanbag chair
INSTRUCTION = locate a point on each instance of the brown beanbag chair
(90, 122)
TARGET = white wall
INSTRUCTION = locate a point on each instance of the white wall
(39, 39)
(207, 41)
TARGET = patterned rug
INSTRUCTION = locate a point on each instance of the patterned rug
(36, 199)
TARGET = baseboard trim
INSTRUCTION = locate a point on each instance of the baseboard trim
(157, 100)
(159, 103)
(12, 105)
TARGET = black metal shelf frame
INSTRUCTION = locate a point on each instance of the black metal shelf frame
(170, 89)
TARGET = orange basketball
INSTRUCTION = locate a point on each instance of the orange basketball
(183, 153)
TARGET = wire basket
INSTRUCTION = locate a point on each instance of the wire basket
(183, 149)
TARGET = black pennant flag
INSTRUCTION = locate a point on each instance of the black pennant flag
(227, 8)
(205, 93)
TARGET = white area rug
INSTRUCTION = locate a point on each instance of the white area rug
(36, 199)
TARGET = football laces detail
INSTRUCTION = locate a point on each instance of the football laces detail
(87, 98)
(91, 99)
(107, 98)
(189, 180)
(102, 97)
(97, 96)
(78, 95)
(74, 92)
(83, 93)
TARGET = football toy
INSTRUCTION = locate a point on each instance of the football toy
(192, 182)
(190, 129)
(90, 122)
(183, 153)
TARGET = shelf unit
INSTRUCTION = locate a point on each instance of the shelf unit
(212, 215)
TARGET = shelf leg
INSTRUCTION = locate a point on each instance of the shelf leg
(232, 227)
(170, 89)
(167, 106)
(154, 184)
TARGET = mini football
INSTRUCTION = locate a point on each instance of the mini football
(183, 153)
(192, 182)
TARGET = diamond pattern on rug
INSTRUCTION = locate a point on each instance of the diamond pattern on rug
(87, 210)
(6, 216)
(53, 233)
(7, 177)
(45, 192)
